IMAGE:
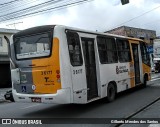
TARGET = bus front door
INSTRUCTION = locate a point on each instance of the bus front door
(136, 63)
(90, 67)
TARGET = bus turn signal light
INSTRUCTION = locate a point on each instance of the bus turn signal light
(58, 76)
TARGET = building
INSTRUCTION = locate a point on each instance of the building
(145, 34)
(5, 77)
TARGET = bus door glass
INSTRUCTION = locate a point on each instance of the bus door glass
(90, 67)
(77, 66)
(136, 62)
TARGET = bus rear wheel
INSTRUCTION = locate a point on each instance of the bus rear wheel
(145, 81)
(111, 92)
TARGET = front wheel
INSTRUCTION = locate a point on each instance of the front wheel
(111, 92)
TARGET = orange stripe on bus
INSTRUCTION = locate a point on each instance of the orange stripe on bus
(44, 73)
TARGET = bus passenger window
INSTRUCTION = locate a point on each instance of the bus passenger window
(102, 50)
(74, 49)
(111, 50)
(144, 53)
(124, 53)
(107, 50)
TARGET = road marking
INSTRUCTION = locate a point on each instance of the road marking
(30, 106)
(154, 125)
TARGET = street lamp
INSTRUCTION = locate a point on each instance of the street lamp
(124, 2)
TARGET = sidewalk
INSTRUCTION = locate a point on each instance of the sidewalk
(155, 78)
(2, 92)
(155, 75)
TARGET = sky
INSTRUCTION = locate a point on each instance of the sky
(97, 15)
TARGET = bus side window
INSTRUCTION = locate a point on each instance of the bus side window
(124, 53)
(74, 48)
(111, 50)
(144, 53)
(102, 50)
(107, 50)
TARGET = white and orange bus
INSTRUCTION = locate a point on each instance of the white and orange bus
(59, 64)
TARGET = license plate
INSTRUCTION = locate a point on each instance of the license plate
(36, 99)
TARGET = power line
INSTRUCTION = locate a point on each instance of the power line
(46, 10)
(27, 10)
(14, 24)
(9, 2)
(137, 16)
(32, 7)
(17, 5)
(14, 7)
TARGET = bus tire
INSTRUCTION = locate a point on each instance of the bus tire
(111, 92)
(145, 81)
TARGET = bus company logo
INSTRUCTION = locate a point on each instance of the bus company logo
(121, 69)
(33, 87)
(6, 121)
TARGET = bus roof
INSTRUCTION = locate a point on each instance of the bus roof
(100, 33)
(45, 28)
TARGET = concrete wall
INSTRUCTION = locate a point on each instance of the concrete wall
(5, 76)
(147, 35)
(118, 31)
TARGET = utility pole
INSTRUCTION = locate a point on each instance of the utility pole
(14, 24)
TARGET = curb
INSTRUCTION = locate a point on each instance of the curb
(2, 100)
(2, 97)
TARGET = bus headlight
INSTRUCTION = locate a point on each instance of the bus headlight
(15, 76)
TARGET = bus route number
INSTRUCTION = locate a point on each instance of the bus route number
(77, 71)
(46, 72)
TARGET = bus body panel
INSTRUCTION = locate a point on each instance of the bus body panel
(120, 75)
(79, 79)
(40, 76)
(65, 66)
(47, 78)
(44, 72)
(146, 70)
(61, 97)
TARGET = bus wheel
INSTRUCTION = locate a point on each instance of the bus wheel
(111, 92)
(145, 81)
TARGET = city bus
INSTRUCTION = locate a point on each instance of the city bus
(62, 65)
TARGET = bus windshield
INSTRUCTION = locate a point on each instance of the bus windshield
(32, 46)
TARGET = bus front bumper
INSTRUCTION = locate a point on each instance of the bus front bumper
(63, 96)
